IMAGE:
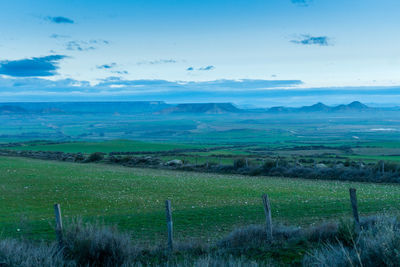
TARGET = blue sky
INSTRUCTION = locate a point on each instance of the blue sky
(80, 50)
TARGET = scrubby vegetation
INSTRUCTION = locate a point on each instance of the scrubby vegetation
(27, 254)
(378, 244)
(95, 156)
(347, 170)
(329, 244)
(91, 244)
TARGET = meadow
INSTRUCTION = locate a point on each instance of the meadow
(205, 206)
(105, 146)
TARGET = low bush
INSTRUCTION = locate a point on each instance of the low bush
(25, 254)
(243, 238)
(79, 157)
(219, 261)
(322, 233)
(269, 164)
(95, 156)
(332, 244)
(96, 245)
(377, 244)
(239, 163)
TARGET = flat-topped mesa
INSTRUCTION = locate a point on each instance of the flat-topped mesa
(202, 108)
(110, 107)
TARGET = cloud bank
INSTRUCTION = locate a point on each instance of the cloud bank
(206, 68)
(31, 67)
(85, 45)
(301, 2)
(306, 39)
(107, 66)
(157, 62)
(261, 93)
(60, 20)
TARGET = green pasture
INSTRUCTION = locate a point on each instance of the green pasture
(205, 206)
(374, 158)
(104, 146)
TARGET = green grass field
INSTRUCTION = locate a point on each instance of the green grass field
(104, 146)
(369, 158)
(205, 206)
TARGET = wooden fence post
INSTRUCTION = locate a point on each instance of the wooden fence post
(59, 226)
(267, 209)
(169, 224)
(353, 199)
(247, 163)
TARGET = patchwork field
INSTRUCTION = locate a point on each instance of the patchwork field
(361, 136)
(205, 206)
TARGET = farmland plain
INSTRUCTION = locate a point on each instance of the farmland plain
(368, 137)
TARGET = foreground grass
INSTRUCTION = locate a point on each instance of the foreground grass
(205, 206)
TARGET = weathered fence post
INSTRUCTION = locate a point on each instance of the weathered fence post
(267, 209)
(169, 224)
(353, 199)
(247, 163)
(59, 226)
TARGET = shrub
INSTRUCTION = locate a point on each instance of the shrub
(378, 245)
(79, 157)
(306, 161)
(322, 233)
(24, 254)
(254, 236)
(96, 245)
(126, 158)
(221, 261)
(269, 164)
(239, 163)
(255, 171)
(249, 236)
(95, 156)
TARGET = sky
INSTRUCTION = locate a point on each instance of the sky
(253, 52)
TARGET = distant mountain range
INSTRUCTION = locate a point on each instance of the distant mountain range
(320, 107)
(160, 107)
(202, 108)
(83, 107)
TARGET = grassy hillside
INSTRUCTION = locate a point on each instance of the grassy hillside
(205, 206)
